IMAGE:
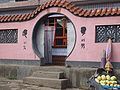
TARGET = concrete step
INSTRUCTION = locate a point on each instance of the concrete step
(52, 68)
(48, 74)
(47, 82)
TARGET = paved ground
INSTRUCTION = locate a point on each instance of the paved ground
(6, 84)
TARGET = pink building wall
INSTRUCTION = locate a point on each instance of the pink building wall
(16, 50)
(91, 52)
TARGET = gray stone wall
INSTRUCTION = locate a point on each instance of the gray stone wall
(12, 7)
(4, 1)
(8, 4)
(11, 12)
(7, 1)
(16, 71)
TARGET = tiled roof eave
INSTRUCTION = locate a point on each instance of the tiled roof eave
(63, 4)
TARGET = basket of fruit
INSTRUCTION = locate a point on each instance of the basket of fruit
(101, 80)
(108, 82)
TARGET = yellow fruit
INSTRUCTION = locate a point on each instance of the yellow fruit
(103, 77)
(103, 84)
(111, 85)
(107, 84)
(115, 85)
(113, 78)
(115, 82)
(107, 80)
(99, 78)
(108, 77)
(118, 85)
(110, 82)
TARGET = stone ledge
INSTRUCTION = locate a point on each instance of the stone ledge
(46, 82)
(48, 74)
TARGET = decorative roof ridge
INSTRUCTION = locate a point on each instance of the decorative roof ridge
(63, 4)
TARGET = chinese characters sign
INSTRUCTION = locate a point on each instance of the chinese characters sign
(83, 31)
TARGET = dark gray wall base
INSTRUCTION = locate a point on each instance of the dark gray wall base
(21, 62)
(87, 64)
(82, 64)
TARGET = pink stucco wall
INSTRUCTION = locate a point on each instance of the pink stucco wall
(92, 51)
(17, 51)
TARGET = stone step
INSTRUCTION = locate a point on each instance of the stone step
(52, 68)
(46, 74)
(47, 82)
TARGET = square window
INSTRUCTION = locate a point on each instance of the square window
(9, 36)
(103, 32)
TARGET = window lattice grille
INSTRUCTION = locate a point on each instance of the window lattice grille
(9, 36)
(103, 32)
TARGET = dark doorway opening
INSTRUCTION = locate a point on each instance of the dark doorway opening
(55, 26)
